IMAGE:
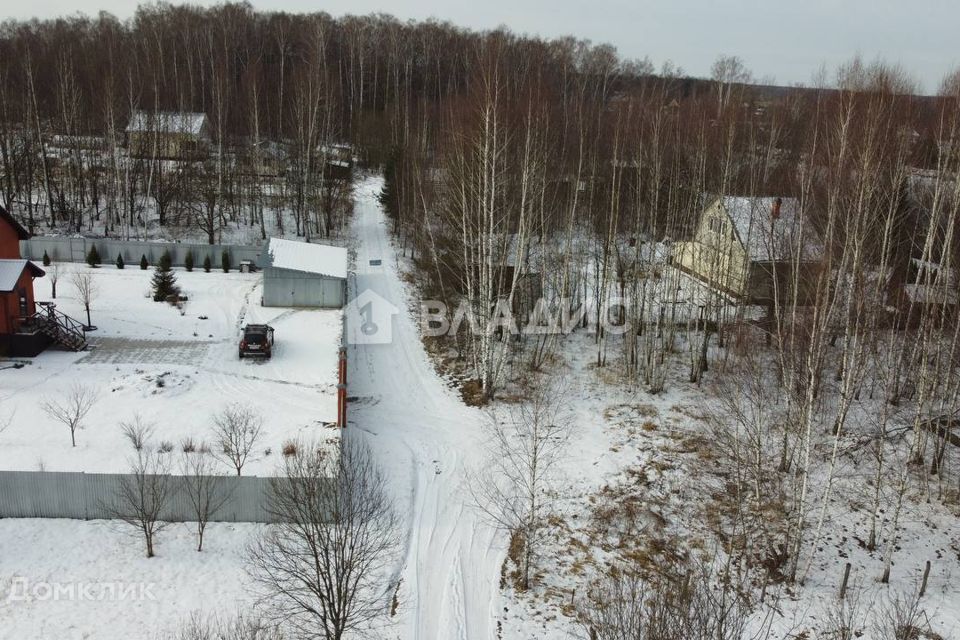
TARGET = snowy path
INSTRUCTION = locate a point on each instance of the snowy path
(427, 439)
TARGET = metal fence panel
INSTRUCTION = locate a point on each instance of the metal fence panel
(87, 496)
(76, 249)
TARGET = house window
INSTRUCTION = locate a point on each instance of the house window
(717, 225)
(23, 303)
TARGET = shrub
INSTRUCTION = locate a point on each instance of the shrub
(46, 259)
(120, 261)
(166, 446)
(137, 432)
(207, 264)
(188, 261)
(225, 261)
(143, 262)
(472, 393)
(93, 256)
(188, 445)
(289, 449)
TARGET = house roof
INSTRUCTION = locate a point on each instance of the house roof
(22, 233)
(167, 122)
(767, 238)
(931, 283)
(11, 270)
(321, 259)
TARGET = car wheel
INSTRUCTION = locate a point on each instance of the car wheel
(241, 355)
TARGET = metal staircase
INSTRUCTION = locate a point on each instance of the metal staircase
(60, 327)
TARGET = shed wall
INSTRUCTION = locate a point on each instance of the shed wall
(286, 288)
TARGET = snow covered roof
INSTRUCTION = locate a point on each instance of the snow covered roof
(10, 271)
(769, 237)
(323, 259)
(22, 233)
(167, 122)
(931, 283)
(18, 228)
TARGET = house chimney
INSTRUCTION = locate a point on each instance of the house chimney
(775, 209)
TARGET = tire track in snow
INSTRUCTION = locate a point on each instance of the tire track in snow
(450, 568)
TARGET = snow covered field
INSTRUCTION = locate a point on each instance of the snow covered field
(76, 580)
(174, 370)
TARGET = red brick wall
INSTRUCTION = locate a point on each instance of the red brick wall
(9, 243)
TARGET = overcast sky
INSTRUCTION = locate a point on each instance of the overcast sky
(785, 41)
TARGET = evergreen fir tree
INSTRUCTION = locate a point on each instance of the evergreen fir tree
(143, 262)
(225, 261)
(389, 195)
(120, 264)
(207, 264)
(164, 281)
(93, 256)
(46, 259)
(188, 261)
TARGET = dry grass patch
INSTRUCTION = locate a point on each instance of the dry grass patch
(472, 393)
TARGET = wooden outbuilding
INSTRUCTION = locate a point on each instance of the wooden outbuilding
(17, 301)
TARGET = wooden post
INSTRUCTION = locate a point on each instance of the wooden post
(843, 585)
(342, 389)
(342, 406)
(923, 583)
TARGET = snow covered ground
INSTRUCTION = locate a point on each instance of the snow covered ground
(428, 440)
(638, 481)
(76, 580)
(174, 370)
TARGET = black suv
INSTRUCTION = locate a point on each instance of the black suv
(257, 340)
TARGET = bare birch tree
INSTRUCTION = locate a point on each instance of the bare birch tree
(321, 568)
(72, 409)
(143, 494)
(87, 289)
(236, 432)
(53, 274)
(207, 490)
(514, 489)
